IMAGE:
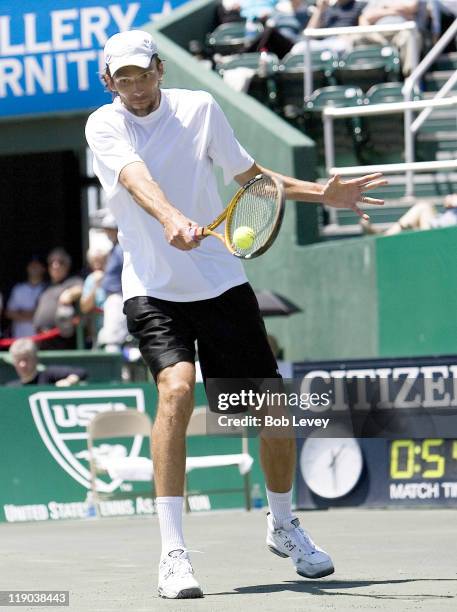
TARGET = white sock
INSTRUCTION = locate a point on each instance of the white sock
(169, 510)
(280, 505)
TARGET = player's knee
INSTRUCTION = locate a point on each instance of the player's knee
(177, 393)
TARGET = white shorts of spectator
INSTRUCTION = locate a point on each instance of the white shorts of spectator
(114, 331)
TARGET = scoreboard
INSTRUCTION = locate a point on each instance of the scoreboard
(410, 467)
(403, 472)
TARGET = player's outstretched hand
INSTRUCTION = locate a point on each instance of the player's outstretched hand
(346, 194)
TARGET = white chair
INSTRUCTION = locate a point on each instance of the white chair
(204, 422)
(121, 423)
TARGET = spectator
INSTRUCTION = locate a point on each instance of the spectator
(443, 13)
(421, 216)
(55, 303)
(252, 10)
(394, 12)
(283, 28)
(198, 52)
(339, 14)
(93, 295)
(23, 300)
(114, 331)
(228, 11)
(24, 355)
(291, 17)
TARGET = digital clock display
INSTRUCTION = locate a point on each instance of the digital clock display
(433, 458)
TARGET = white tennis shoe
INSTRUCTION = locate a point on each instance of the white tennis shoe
(290, 540)
(176, 577)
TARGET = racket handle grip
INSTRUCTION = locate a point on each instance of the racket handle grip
(196, 232)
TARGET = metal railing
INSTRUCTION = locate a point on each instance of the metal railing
(397, 168)
(418, 167)
(411, 127)
(331, 113)
(310, 33)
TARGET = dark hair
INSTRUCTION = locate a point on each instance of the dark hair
(61, 254)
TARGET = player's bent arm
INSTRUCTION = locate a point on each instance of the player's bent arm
(336, 192)
(135, 177)
(295, 189)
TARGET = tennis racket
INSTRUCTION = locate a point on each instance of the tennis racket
(258, 206)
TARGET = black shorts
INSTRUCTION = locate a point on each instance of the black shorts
(229, 330)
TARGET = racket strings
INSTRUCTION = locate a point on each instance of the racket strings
(257, 209)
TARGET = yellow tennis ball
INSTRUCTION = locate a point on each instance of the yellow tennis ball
(243, 237)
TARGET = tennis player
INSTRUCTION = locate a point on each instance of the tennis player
(154, 153)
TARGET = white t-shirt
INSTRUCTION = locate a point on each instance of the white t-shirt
(179, 143)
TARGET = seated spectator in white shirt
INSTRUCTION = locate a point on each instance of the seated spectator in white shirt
(114, 331)
(23, 299)
(395, 12)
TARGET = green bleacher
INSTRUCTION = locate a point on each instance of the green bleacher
(376, 71)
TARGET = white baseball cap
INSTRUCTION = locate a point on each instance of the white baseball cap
(132, 48)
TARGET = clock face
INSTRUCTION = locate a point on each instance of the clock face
(331, 467)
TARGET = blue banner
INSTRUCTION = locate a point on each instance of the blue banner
(51, 52)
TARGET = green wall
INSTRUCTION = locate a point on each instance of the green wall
(374, 297)
(335, 284)
(417, 288)
(43, 439)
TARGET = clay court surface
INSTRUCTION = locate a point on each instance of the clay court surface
(385, 560)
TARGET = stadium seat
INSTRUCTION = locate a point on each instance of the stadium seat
(383, 135)
(439, 73)
(366, 66)
(334, 95)
(290, 76)
(437, 136)
(347, 132)
(229, 38)
(447, 61)
(245, 60)
(383, 93)
(263, 85)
